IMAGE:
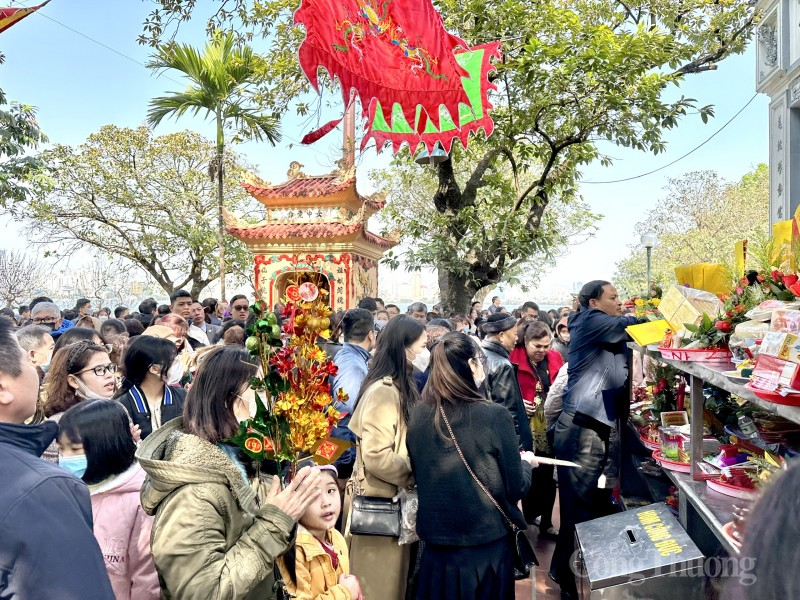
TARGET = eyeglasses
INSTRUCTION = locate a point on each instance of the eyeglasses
(101, 370)
(240, 307)
(44, 320)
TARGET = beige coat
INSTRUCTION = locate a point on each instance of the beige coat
(382, 465)
(211, 538)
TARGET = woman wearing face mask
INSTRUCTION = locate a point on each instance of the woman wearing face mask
(561, 340)
(81, 371)
(179, 328)
(150, 364)
(467, 549)
(96, 445)
(382, 466)
(220, 524)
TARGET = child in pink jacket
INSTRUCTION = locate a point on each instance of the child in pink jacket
(95, 444)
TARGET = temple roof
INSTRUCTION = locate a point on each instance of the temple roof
(301, 187)
(288, 231)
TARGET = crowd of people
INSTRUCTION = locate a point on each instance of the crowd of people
(120, 481)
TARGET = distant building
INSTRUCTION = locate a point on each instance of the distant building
(778, 76)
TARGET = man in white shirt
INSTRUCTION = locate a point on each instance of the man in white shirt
(198, 316)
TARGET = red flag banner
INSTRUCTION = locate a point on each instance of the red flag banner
(401, 61)
(10, 16)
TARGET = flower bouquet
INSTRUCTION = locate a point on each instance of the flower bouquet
(294, 409)
(646, 308)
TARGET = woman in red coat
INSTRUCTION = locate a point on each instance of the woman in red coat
(537, 367)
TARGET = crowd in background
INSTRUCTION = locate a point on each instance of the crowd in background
(139, 494)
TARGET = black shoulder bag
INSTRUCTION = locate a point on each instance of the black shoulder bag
(524, 556)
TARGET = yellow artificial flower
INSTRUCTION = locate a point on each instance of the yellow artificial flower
(639, 302)
(655, 302)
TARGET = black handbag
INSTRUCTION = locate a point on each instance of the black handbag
(371, 515)
(524, 556)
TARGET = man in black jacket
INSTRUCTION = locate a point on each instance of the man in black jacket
(47, 548)
(501, 375)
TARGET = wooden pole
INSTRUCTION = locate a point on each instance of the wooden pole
(349, 132)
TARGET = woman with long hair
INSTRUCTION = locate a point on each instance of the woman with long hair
(468, 550)
(78, 372)
(149, 364)
(219, 523)
(379, 422)
(96, 445)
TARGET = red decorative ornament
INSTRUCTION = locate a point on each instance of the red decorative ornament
(293, 293)
(394, 53)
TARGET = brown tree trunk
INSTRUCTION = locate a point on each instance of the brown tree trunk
(220, 229)
(454, 292)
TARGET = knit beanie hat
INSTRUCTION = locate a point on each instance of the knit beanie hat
(498, 322)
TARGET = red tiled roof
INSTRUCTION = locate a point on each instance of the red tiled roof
(379, 241)
(303, 187)
(285, 231)
(375, 204)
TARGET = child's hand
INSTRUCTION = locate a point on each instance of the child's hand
(299, 495)
(350, 582)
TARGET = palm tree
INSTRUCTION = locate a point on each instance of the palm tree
(220, 83)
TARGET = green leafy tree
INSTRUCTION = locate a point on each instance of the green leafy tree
(699, 219)
(454, 243)
(19, 134)
(573, 74)
(145, 199)
(222, 80)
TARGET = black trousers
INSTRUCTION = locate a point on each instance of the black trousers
(541, 497)
(580, 499)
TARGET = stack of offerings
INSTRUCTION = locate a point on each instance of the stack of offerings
(777, 368)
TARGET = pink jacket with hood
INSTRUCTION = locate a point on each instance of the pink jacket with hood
(123, 531)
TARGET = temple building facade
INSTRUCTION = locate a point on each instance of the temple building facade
(778, 76)
(315, 230)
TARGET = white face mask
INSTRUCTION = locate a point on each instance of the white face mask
(82, 391)
(175, 373)
(380, 323)
(421, 360)
(46, 365)
(565, 338)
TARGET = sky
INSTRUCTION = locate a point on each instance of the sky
(78, 85)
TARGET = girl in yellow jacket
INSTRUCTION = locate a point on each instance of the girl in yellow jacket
(317, 567)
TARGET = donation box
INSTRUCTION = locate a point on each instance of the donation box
(642, 553)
